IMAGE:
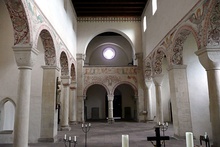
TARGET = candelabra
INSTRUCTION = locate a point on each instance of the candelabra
(69, 140)
(85, 129)
(163, 128)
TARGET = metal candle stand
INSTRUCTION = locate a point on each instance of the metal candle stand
(69, 140)
(163, 128)
(85, 129)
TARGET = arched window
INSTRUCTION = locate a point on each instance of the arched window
(7, 116)
(154, 6)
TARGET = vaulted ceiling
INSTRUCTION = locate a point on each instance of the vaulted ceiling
(100, 8)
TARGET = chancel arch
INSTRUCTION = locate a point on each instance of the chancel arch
(111, 43)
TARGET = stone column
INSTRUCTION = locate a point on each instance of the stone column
(80, 85)
(180, 100)
(141, 117)
(48, 109)
(110, 109)
(65, 80)
(24, 56)
(210, 60)
(73, 103)
(148, 84)
(158, 80)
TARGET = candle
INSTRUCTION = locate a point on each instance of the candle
(167, 124)
(125, 141)
(159, 123)
(206, 134)
(82, 125)
(89, 125)
(70, 138)
(74, 138)
(189, 139)
(65, 137)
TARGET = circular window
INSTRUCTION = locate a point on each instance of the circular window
(109, 53)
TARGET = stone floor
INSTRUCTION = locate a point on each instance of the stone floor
(103, 134)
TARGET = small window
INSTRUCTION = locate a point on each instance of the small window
(145, 24)
(154, 6)
(109, 53)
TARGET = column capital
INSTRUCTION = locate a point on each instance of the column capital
(148, 83)
(110, 97)
(209, 58)
(73, 85)
(50, 67)
(25, 55)
(176, 67)
(158, 79)
(65, 80)
(80, 56)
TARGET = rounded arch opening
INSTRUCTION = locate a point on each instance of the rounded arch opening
(95, 103)
(121, 47)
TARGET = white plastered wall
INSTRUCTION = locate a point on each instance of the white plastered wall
(198, 89)
(168, 14)
(8, 67)
(63, 19)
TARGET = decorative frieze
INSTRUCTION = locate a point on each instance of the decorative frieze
(19, 21)
(107, 19)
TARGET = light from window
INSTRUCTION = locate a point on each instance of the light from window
(154, 6)
(109, 53)
(145, 23)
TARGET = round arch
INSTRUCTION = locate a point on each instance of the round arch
(179, 39)
(125, 82)
(64, 64)
(19, 17)
(73, 72)
(96, 83)
(158, 57)
(110, 30)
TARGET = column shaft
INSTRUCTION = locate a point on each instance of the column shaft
(65, 80)
(24, 56)
(158, 79)
(21, 124)
(110, 109)
(148, 99)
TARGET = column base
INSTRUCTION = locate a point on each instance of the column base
(65, 128)
(73, 122)
(47, 139)
(111, 120)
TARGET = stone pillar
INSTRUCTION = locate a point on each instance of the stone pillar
(180, 100)
(158, 80)
(148, 84)
(48, 109)
(141, 117)
(65, 80)
(80, 85)
(110, 109)
(210, 60)
(73, 103)
(24, 56)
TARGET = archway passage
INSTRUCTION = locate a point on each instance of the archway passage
(124, 106)
(95, 103)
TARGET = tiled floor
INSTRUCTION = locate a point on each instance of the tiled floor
(103, 134)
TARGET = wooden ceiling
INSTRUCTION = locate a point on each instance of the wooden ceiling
(103, 8)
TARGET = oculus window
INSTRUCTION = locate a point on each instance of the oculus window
(109, 53)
